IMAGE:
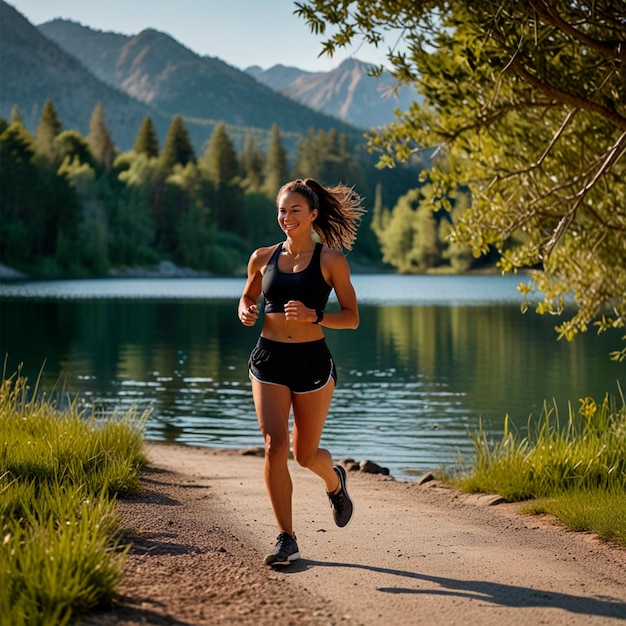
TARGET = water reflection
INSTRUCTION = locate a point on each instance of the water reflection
(413, 380)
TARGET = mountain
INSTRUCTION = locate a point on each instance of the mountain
(277, 77)
(153, 74)
(157, 70)
(134, 76)
(347, 92)
(34, 68)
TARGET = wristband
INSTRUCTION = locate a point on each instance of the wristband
(320, 316)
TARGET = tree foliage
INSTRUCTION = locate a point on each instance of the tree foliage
(251, 165)
(36, 205)
(327, 157)
(221, 166)
(527, 101)
(147, 141)
(275, 171)
(409, 234)
(70, 145)
(220, 158)
(132, 221)
(47, 131)
(82, 215)
(16, 115)
(178, 147)
(99, 139)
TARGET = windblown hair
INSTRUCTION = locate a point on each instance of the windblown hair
(339, 210)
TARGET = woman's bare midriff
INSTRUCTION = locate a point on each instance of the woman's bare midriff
(277, 328)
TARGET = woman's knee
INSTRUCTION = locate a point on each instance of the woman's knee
(276, 448)
(305, 457)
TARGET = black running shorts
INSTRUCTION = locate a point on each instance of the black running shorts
(303, 367)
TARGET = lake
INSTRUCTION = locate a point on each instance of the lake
(431, 359)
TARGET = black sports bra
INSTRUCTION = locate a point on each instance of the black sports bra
(308, 286)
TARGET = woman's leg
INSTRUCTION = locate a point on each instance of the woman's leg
(272, 403)
(310, 411)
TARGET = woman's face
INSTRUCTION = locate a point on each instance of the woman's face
(294, 214)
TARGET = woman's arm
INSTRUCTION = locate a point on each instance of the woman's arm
(338, 275)
(247, 310)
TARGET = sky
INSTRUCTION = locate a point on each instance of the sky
(240, 32)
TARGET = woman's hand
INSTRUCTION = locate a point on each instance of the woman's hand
(297, 312)
(249, 315)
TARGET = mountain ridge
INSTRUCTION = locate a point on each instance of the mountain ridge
(349, 91)
(156, 69)
(33, 66)
(151, 73)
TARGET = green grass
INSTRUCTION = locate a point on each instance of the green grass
(602, 512)
(60, 474)
(574, 470)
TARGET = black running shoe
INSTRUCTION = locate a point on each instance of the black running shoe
(340, 502)
(285, 552)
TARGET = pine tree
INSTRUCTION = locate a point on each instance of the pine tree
(220, 164)
(49, 128)
(100, 142)
(275, 171)
(147, 141)
(178, 147)
(220, 159)
(251, 164)
(16, 115)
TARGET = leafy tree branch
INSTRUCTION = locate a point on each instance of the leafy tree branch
(525, 107)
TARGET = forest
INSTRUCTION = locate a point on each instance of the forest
(76, 206)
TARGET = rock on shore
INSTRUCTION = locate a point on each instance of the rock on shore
(8, 273)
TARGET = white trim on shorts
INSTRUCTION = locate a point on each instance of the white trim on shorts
(300, 393)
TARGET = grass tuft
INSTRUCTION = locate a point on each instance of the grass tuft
(600, 511)
(60, 473)
(573, 469)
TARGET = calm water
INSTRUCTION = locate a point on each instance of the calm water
(432, 356)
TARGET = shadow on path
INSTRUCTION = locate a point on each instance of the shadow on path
(487, 591)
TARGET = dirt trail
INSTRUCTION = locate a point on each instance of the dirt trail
(412, 555)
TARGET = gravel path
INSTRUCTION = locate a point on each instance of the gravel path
(412, 555)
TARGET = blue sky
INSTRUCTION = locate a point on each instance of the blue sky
(240, 32)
